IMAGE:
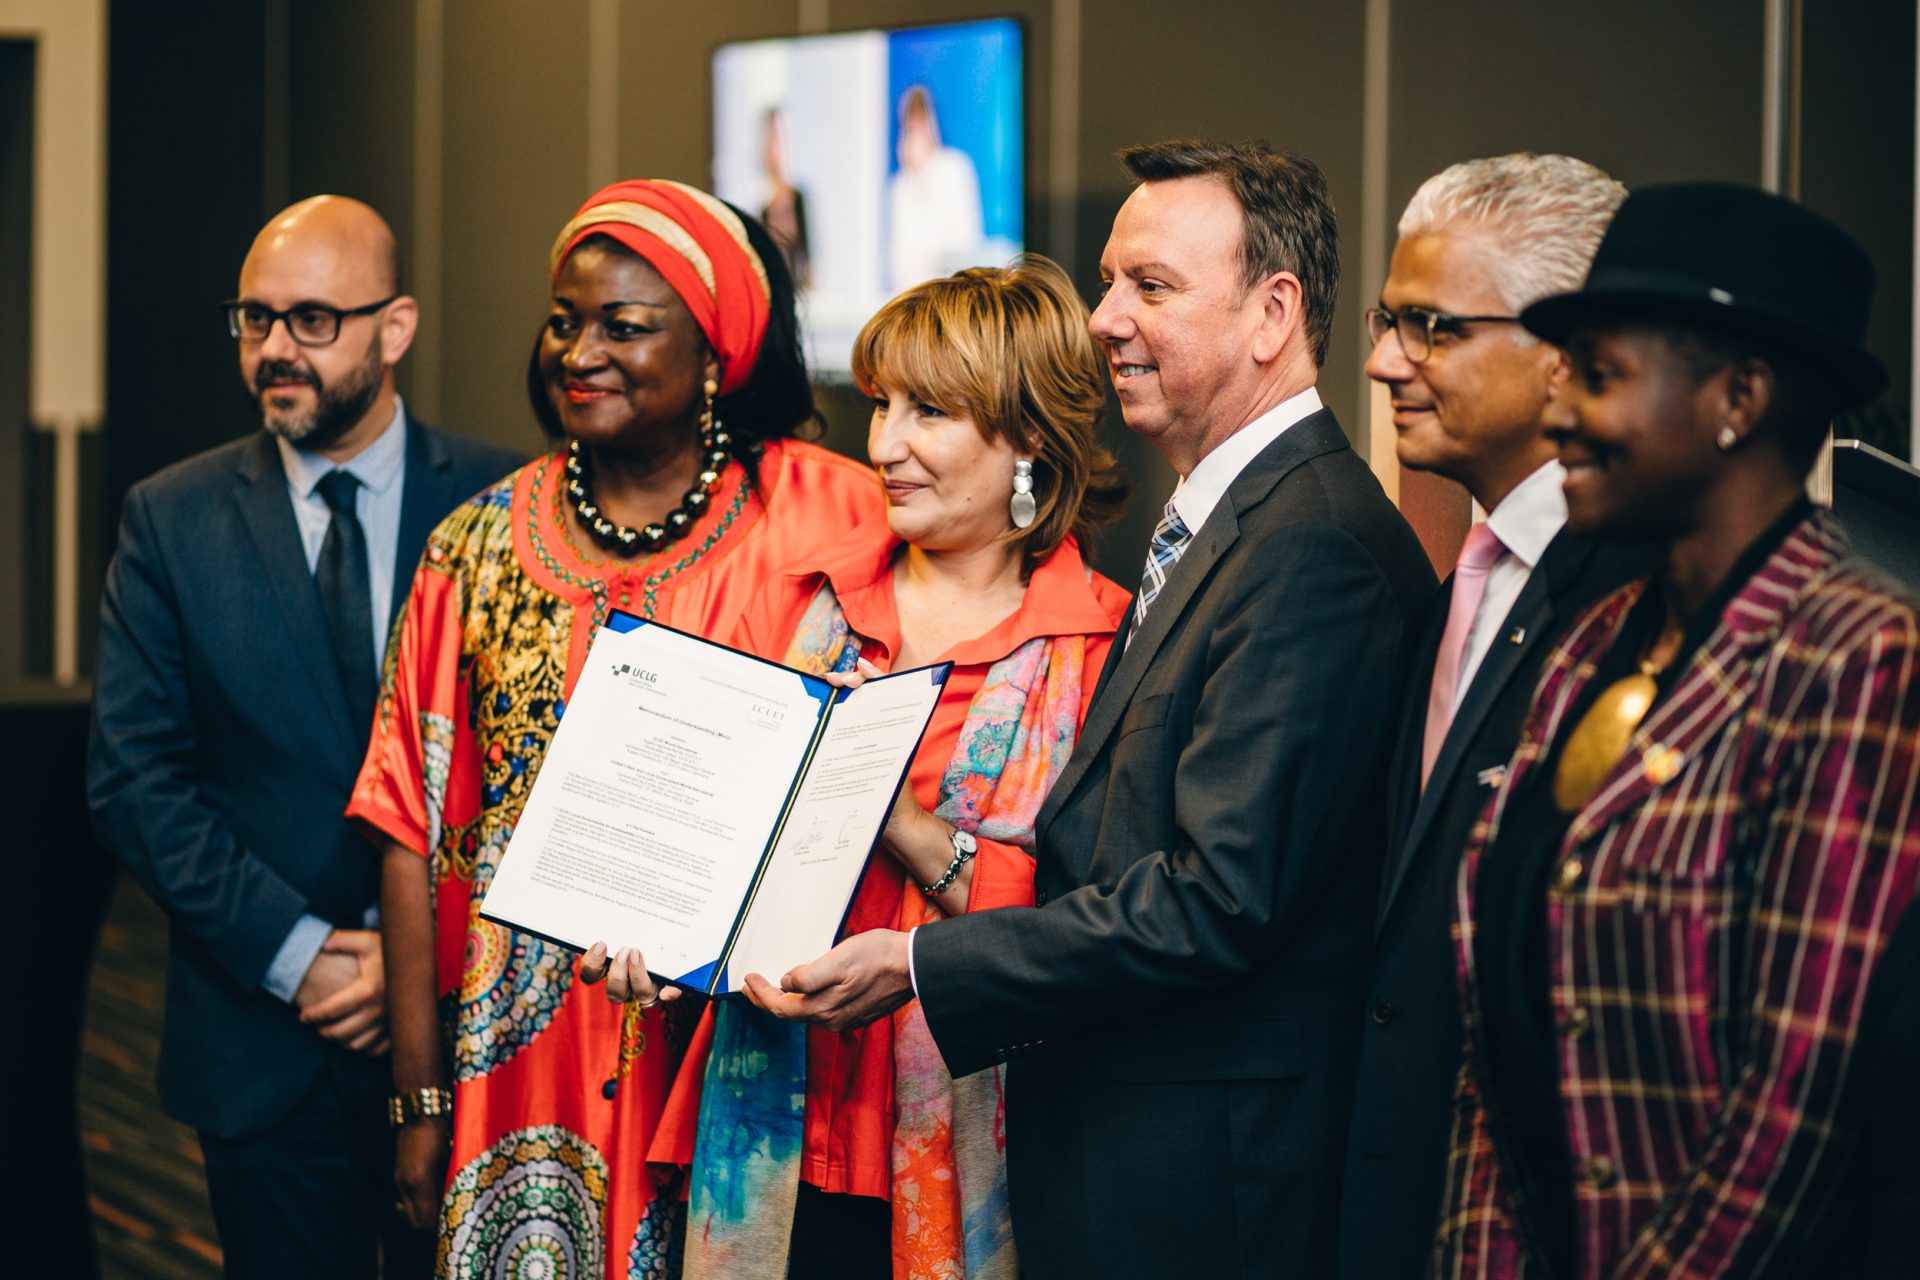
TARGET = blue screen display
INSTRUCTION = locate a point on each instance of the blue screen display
(878, 159)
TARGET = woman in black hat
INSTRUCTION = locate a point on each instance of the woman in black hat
(1709, 829)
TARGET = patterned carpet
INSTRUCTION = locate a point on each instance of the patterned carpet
(146, 1186)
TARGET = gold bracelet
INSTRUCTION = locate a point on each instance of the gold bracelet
(405, 1108)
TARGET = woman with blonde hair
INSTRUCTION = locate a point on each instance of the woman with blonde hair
(986, 389)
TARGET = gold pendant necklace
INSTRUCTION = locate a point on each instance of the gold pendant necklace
(1600, 739)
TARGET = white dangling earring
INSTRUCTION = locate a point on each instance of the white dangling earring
(1022, 506)
(1727, 439)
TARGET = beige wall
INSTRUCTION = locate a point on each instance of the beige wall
(66, 303)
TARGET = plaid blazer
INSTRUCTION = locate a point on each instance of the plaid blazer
(1716, 911)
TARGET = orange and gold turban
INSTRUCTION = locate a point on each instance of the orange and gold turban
(700, 247)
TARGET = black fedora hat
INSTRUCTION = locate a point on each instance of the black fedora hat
(1735, 259)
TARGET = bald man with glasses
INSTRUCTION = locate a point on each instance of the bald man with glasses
(241, 632)
(1469, 386)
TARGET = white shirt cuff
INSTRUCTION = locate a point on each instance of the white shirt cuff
(295, 956)
(912, 978)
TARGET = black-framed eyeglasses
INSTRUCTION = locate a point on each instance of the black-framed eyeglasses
(311, 324)
(1417, 326)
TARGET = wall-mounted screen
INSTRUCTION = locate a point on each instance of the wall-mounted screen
(877, 159)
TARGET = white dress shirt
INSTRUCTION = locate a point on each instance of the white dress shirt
(381, 469)
(1526, 520)
(1199, 492)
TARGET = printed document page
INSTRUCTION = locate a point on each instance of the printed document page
(656, 799)
(836, 817)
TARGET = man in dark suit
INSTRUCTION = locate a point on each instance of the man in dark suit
(1477, 243)
(1180, 1008)
(244, 617)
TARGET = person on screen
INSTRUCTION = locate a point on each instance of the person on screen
(669, 370)
(785, 214)
(873, 1161)
(934, 219)
(1669, 918)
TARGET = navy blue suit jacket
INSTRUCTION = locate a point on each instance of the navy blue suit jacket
(223, 752)
(1413, 1038)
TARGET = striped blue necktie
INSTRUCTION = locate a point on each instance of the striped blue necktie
(1170, 539)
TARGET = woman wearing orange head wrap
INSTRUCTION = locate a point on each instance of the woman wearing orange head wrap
(669, 367)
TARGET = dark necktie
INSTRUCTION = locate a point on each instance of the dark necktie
(347, 594)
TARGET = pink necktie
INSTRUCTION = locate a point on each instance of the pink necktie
(1477, 555)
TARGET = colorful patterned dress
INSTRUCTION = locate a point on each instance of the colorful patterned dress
(556, 1091)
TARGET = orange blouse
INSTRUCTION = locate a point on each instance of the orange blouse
(850, 1099)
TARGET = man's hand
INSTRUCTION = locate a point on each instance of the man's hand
(344, 994)
(420, 1151)
(863, 979)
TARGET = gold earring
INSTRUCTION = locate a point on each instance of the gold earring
(706, 412)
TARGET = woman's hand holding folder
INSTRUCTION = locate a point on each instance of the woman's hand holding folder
(625, 973)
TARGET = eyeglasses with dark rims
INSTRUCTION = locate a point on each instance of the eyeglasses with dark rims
(1417, 327)
(311, 324)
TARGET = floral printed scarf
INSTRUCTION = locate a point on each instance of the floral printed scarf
(950, 1218)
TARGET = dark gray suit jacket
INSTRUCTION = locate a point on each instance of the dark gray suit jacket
(1875, 1235)
(223, 752)
(1412, 1037)
(1181, 1007)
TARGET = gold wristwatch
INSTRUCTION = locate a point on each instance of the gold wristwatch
(405, 1108)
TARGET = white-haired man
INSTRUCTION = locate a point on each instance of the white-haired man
(1478, 242)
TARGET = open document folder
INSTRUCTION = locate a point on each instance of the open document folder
(711, 808)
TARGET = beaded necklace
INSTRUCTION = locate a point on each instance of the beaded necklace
(676, 524)
(599, 587)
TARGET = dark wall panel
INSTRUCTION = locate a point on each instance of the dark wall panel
(1286, 73)
(350, 105)
(350, 113)
(1649, 90)
(1855, 157)
(515, 168)
(185, 168)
